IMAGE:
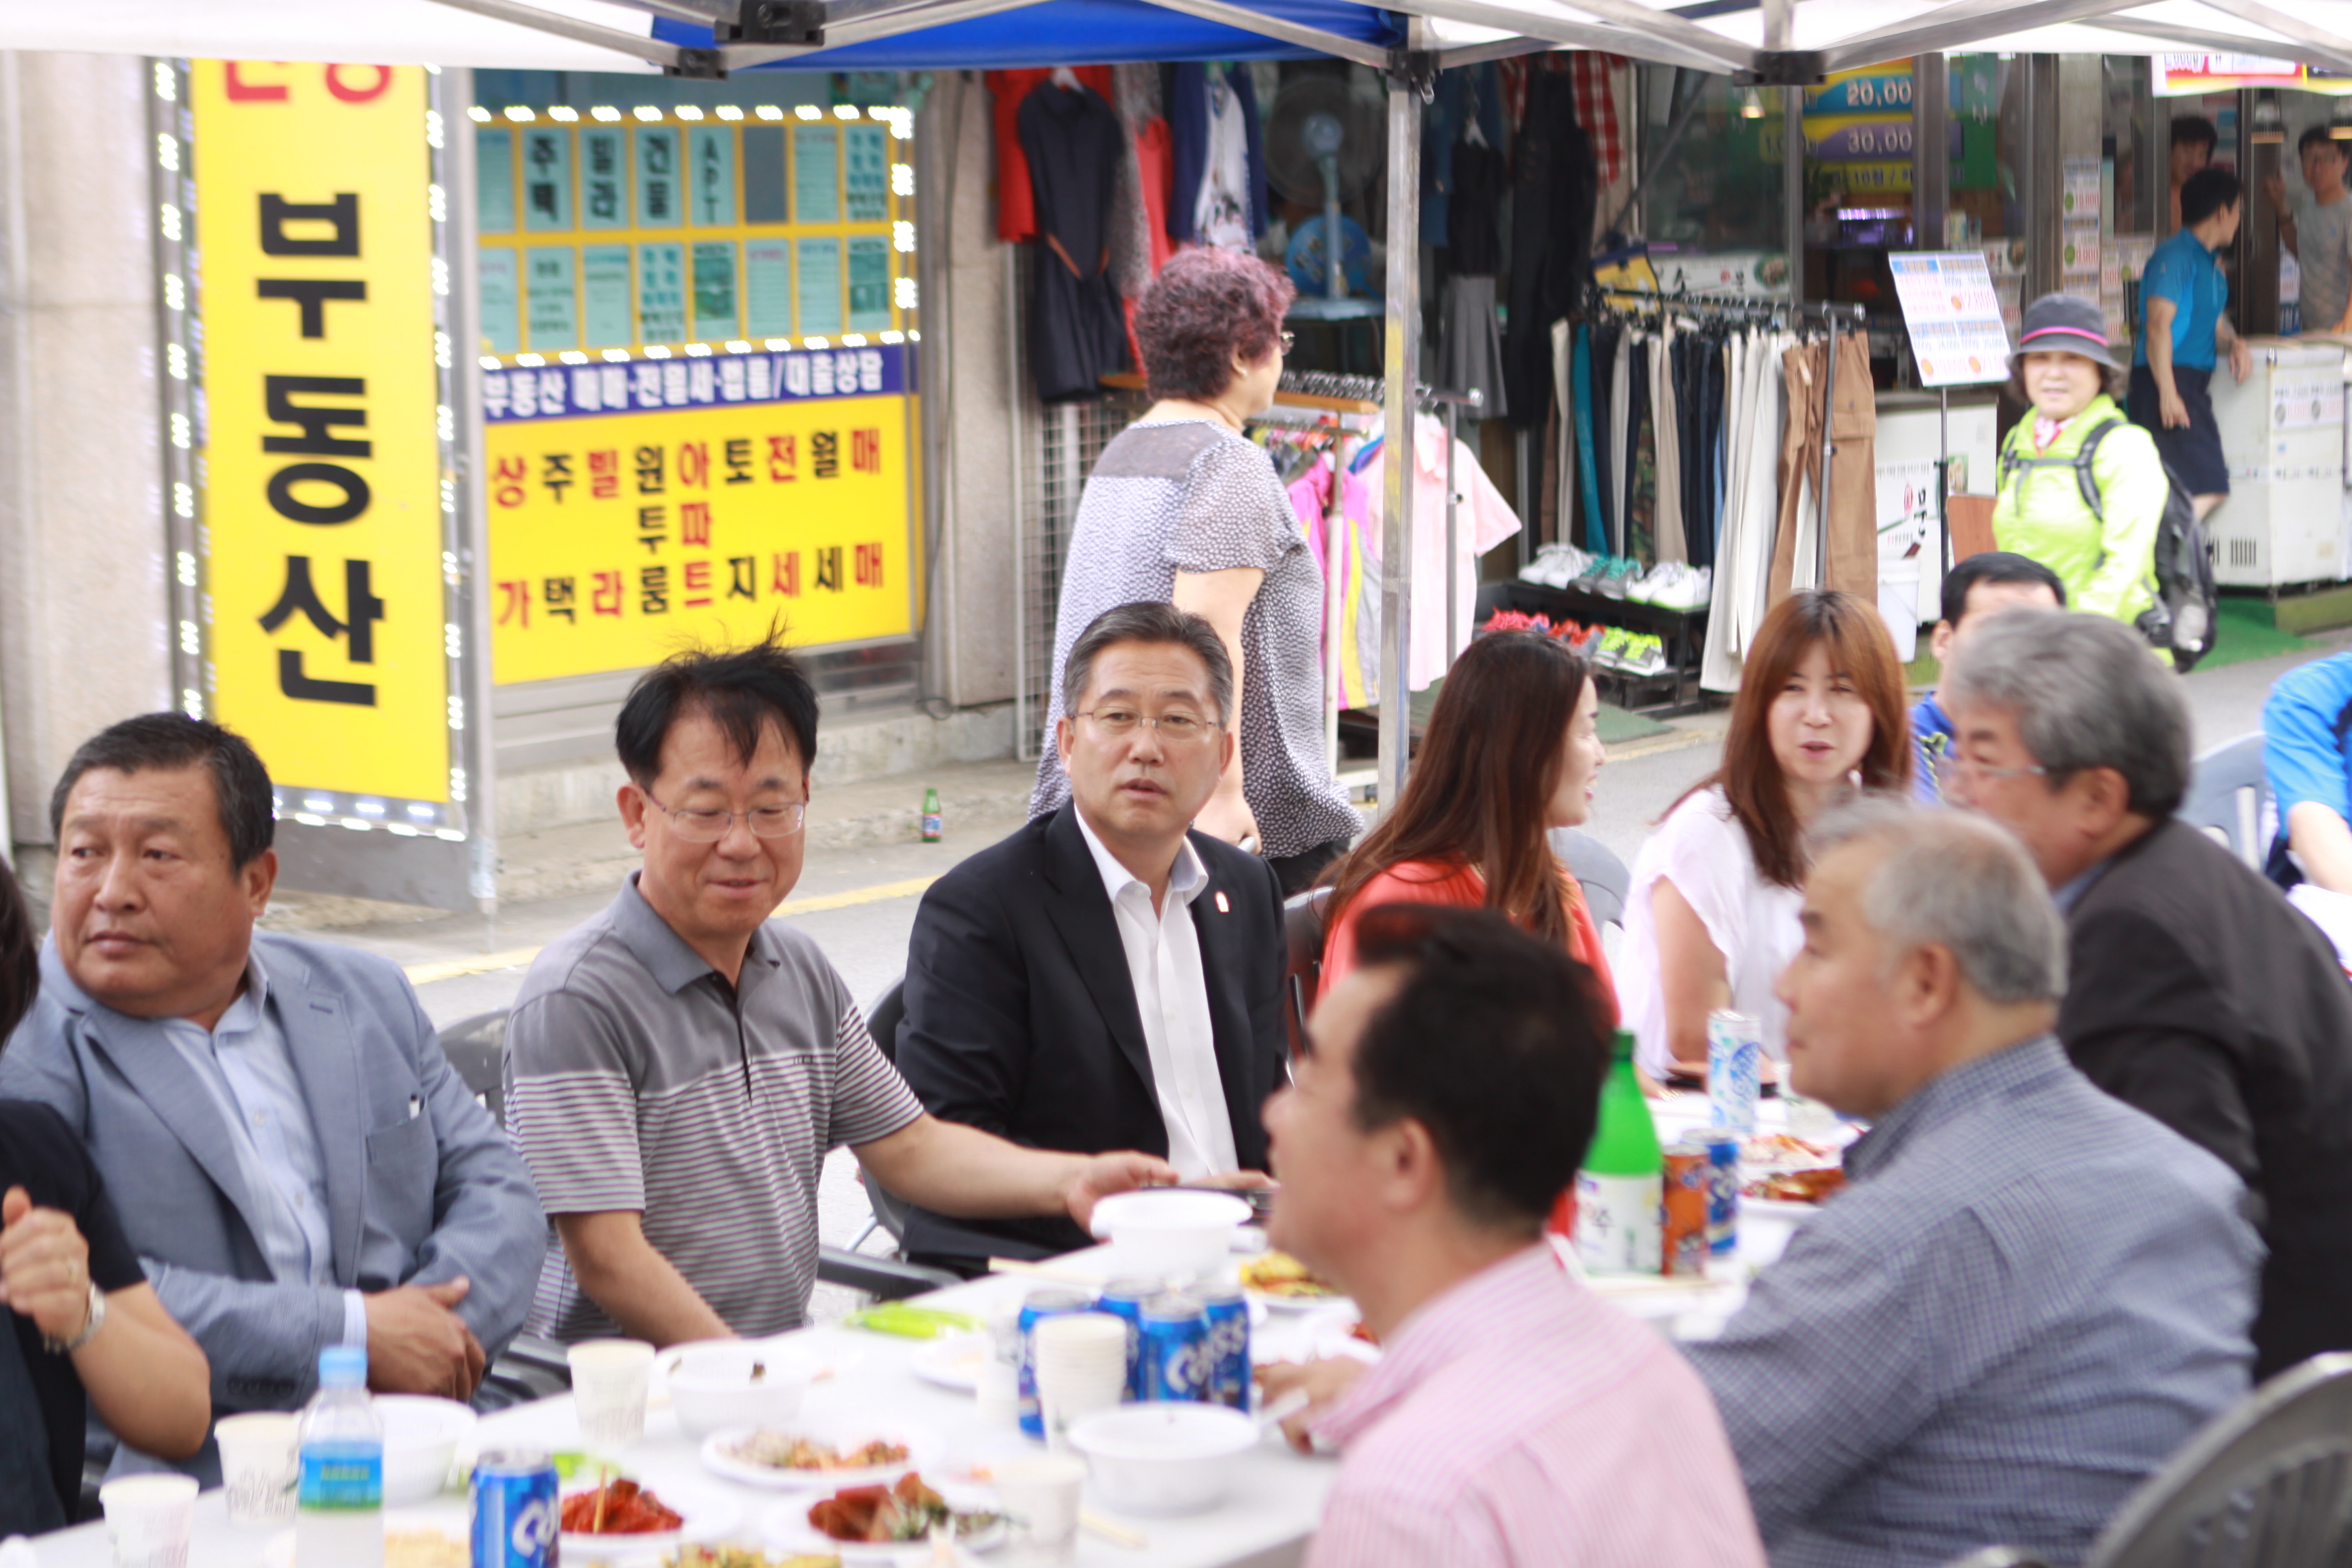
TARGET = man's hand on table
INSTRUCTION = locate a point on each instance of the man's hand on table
(1097, 1176)
(418, 1344)
(1325, 1381)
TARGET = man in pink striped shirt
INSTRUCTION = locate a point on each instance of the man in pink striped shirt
(1446, 1096)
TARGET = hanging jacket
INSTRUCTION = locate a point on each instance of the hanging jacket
(2109, 564)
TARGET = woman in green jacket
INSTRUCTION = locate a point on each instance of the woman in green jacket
(2106, 555)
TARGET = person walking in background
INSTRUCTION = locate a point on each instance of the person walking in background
(1712, 915)
(2316, 225)
(1104, 978)
(1182, 508)
(2196, 991)
(2184, 331)
(2094, 527)
(1512, 751)
(2027, 1297)
(1515, 1420)
(1975, 590)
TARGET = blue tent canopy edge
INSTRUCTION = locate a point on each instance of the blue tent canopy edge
(1081, 32)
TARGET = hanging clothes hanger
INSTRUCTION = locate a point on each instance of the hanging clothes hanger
(1065, 79)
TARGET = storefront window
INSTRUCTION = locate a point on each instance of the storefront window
(1711, 205)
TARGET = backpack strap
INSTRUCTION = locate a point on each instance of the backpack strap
(2084, 480)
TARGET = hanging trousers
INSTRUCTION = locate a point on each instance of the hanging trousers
(1596, 530)
(1850, 560)
(1666, 519)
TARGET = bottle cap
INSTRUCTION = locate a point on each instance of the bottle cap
(1622, 1047)
(344, 1366)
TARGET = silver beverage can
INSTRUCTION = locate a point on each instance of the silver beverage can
(1735, 1071)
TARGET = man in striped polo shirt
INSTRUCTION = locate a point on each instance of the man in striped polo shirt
(677, 1068)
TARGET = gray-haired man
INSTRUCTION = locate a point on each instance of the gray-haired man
(2198, 994)
(2028, 1296)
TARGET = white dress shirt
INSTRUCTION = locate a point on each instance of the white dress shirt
(1171, 994)
(244, 1059)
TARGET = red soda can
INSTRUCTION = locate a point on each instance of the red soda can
(1689, 1178)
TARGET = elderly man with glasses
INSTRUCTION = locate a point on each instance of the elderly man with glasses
(679, 1067)
(2197, 993)
(1108, 976)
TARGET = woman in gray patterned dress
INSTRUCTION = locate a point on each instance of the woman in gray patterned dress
(1182, 508)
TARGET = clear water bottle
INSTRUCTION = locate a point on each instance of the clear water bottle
(339, 1511)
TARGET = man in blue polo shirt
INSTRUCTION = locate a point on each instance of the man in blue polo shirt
(2183, 332)
(2306, 734)
(1975, 590)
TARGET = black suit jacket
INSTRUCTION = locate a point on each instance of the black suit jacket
(2198, 994)
(1022, 1020)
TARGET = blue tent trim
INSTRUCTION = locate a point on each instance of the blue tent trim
(1080, 32)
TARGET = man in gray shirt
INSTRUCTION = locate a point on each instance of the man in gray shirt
(2318, 230)
(2029, 1295)
(679, 1067)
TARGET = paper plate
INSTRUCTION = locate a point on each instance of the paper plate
(922, 1447)
(785, 1528)
(710, 1513)
(955, 1362)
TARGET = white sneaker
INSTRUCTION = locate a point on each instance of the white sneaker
(1691, 588)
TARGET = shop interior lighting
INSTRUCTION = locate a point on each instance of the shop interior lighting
(490, 362)
(478, 115)
(572, 356)
(902, 179)
(1751, 104)
(565, 114)
(730, 111)
(853, 340)
(697, 351)
(815, 343)
(894, 337)
(2270, 120)
(649, 113)
(769, 111)
(778, 343)
(616, 356)
(687, 111)
(739, 347)
(605, 112)
(521, 113)
(914, 337)
(657, 351)
(809, 112)
(530, 359)
(845, 112)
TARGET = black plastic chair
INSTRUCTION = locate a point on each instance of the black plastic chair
(2228, 789)
(2266, 1485)
(1302, 965)
(1606, 881)
(891, 1277)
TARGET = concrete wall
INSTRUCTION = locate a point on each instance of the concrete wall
(84, 635)
(978, 566)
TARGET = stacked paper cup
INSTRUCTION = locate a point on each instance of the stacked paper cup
(1081, 1367)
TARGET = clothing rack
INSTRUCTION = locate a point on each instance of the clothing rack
(1828, 313)
(1335, 426)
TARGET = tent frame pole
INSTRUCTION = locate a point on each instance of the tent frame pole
(1412, 80)
(635, 45)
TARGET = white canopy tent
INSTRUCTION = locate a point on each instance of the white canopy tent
(1784, 43)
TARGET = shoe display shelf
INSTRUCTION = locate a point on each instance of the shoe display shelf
(1674, 690)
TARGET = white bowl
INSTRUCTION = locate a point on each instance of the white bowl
(420, 1444)
(718, 1384)
(1164, 1459)
(1169, 1234)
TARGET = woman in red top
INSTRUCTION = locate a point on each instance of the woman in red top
(1511, 752)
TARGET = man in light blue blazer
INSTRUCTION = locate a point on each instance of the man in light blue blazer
(295, 1162)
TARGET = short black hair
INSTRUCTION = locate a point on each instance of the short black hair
(2207, 192)
(20, 956)
(740, 689)
(166, 743)
(1149, 621)
(2196, 129)
(1497, 1042)
(2319, 136)
(1994, 566)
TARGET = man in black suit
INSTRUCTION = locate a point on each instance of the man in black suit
(2196, 991)
(1106, 978)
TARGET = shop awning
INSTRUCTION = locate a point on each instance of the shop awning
(1777, 39)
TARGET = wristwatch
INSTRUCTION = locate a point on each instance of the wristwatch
(90, 1325)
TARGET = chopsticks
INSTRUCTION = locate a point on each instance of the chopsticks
(1110, 1529)
(1043, 1271)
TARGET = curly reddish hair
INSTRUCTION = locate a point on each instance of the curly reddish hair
(1207, 308)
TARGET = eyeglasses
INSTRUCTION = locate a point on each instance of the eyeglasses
(1953, 765)
(710, 826)
(1176, 728)
(1286, 342)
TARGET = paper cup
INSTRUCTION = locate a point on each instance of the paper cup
(1081, 1367)
(148, 1518)
(609, 1379)
(260, 1462)
(1040, 1494)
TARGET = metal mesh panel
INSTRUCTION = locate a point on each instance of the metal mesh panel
(1055, 450)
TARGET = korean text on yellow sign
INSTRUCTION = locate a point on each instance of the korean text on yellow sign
(635, 509)
(323, 494)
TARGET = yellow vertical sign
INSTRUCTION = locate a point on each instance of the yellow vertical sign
(322, 459)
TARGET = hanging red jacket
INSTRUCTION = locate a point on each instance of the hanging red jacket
(1016, 206)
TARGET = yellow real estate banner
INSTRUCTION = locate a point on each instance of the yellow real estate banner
(322, 490)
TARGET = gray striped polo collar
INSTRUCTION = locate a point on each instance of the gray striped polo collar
(665, 954)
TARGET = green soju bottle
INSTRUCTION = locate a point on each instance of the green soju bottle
(1621, 1192)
